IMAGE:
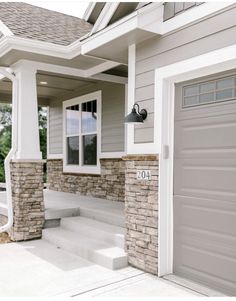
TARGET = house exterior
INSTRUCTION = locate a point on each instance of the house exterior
(175, 171)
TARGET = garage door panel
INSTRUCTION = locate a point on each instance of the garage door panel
(208, 268)
(203, 214)
(206, 136)
(217, 243)
(208, 178)
(204, 198)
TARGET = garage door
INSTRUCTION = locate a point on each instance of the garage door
(205, 183)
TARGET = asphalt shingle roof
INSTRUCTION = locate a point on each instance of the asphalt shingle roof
(32, 22)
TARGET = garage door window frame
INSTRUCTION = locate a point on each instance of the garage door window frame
(165, 79)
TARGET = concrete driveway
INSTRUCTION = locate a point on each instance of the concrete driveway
(37, 268)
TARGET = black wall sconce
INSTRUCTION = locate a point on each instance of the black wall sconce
(136, 117)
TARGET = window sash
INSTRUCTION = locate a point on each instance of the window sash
(214, 92)
(81, 167)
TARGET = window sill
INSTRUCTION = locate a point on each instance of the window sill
(72, 169)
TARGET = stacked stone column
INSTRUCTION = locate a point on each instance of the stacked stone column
(141, 213)
(27, 198)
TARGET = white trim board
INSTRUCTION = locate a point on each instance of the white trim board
(96, 169)
(5, 30)
(105, 16)
(165, 78)
(112, 155)
(131, 146)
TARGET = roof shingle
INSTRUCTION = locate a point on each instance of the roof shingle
(32, 22)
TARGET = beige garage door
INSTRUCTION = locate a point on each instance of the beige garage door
(205, 183)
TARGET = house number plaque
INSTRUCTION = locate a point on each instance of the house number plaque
(144, 175)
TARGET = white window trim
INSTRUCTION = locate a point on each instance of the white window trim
(78, 100)
(165, 79)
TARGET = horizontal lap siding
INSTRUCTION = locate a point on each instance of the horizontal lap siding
(113, 111)
(55, 128)
(213, 33)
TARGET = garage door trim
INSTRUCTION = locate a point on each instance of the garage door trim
(165, 79)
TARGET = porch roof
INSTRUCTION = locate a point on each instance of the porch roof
(32, 22)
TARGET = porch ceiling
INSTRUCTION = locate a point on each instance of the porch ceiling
(50, 86)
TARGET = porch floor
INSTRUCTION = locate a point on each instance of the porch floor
(62, 204)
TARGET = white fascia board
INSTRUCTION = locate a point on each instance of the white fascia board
(49, 68)
(105, 16)
(5, 30)
(192, 15)
(89, 10)
(110, 78)
(17, 43)
(137, 20)
(110, 33)
(100, 68)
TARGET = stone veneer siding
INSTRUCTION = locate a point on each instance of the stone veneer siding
(110, 184)
(141, 213)
(27, 197)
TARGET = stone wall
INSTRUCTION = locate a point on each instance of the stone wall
(141, 213)
(110, 184)
(27, 197)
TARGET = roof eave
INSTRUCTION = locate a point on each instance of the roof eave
(9, 43)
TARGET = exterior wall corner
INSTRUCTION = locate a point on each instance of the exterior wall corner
(141, 212)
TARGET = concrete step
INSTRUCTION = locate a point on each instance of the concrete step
(103, 216)
(53, 216)
(107, 233)
(99, 252)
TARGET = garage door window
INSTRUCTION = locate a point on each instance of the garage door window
(209, 92)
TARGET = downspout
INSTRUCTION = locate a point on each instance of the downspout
(13, 150)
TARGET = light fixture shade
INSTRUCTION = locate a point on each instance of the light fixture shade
(134, 117)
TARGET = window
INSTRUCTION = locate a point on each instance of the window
(222, 89)
(82, 133)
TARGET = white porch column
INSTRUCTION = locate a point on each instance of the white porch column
(28, 146)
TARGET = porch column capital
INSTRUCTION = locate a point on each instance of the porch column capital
(28, 146)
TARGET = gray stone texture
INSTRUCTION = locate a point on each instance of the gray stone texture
(27, 197)
(109, 185)
(141, 213)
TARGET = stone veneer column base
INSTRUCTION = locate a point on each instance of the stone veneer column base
(27, 197)
(141, 213)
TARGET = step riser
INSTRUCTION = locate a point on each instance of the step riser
(102, 217)
(51, 223)
(82, 251)
(115, 239)
(61, 213)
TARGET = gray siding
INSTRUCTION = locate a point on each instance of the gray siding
(172, 9)
(113, 111)
(215, 32)
(55, 128)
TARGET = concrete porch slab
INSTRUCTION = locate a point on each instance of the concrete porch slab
(62, 204)
(39, 269)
